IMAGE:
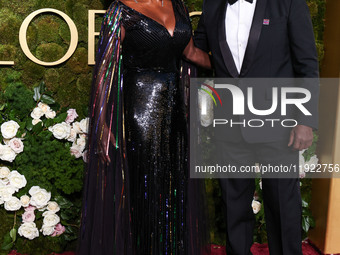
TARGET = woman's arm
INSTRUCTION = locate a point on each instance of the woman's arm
(196, 55)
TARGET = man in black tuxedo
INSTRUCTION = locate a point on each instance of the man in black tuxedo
(262, 39)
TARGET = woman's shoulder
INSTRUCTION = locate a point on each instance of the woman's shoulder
(117, 9)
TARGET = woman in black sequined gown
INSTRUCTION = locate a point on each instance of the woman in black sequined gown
(163, 219)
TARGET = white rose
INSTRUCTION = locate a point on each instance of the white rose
(4, 182)
(302, 163)
(61, 130)
(76, 127)
(313, 161)
(13, 204)
(25, 200)
(306, 166)
(83, 136)
(17, 180)
(50, 114)
(4, 172)
(39, 196)
(6, 153)
(81, 142)
(6, 141)
(53, 206)
(16, 145)
(73, 135)
(9, 129)
(50, 218)
(44, 107)
(1, 201)
(47, 230)
(256, 205)
(6, 192)
(84, 125)
(37, 113)
(76, 150)
(28, 230)
(36, 121)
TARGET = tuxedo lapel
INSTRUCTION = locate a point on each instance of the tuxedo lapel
(254, 36)
(225, 50)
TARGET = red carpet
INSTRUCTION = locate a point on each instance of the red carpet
(257, 249)
(262, 249)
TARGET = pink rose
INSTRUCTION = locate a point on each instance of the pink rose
(28, 216)
(16, 145)
(30, 208)
(58, 230)
(71, 115)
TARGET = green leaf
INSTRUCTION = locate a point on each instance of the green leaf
(60, 118)
(305, 223)
(7, 246)
(37, 94)
(47, 99)
(13, 234)
(312, 222)
(42, 87)
(37, 128)
(48, 122)
(29, 124)
(63, 202)
(64, 216)
(304, 203)
(2, 107)
(7, 243)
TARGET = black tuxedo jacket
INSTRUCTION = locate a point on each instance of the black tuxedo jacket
(284, 48)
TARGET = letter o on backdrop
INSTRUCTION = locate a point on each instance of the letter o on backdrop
(23, 39)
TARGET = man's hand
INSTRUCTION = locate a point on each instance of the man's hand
(301, 137)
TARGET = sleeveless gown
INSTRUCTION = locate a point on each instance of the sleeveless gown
(156, 145)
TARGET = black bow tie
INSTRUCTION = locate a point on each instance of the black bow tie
(231, 2)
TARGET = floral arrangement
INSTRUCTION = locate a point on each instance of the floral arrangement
(10, 183)
(13, 145)
(43, 142)
(77, 133)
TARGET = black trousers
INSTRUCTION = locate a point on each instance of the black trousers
(282, 199)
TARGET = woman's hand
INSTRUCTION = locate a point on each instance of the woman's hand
(196, 55)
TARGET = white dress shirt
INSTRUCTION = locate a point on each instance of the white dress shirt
(238, 21)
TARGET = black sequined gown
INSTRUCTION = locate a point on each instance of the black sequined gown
(155, 130)
(143, 202)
